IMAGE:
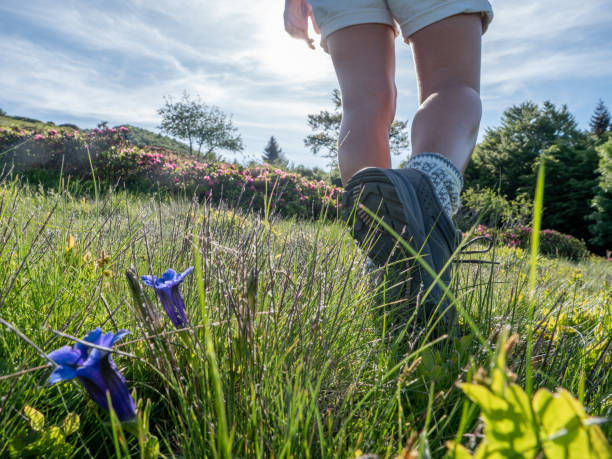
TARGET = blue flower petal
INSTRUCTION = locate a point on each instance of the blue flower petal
(105, 377)
(65, 355)
(168, 280)
(184, 274)
(170, 274)
(149, 280)
(93, 336)
(168, 304)
(62, 373)
(120, 334)
(179, 304)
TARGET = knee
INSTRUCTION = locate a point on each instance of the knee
(376, 105)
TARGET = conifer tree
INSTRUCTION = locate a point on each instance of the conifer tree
(273, 154)
(600, 121)
(326, 131)
(602, 204)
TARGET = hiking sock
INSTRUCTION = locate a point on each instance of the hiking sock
(446, 178)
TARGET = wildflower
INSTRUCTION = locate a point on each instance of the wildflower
(38, 137)
(167, 287)
(52, 133)
(124, 129)
(96, 370)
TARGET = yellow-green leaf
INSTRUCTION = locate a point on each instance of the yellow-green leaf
(457, 451)
(37, 419)
(71, 423)
(561, 420)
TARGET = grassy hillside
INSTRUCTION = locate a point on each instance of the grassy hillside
(143, 137)
(138, 136)
(287, 345)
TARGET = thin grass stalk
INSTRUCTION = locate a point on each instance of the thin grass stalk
(224, 442)
(533, 260)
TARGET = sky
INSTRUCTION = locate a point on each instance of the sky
(82, 62)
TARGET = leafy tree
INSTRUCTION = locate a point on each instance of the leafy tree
(103, 125)
(199, 124)
(215, 130)
(273, 154)
(326, 131)
(508, 157)
(2, 112)
(600, 121)
(602, 203)
(505, 159)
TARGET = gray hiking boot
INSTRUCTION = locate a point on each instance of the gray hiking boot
(405, 199)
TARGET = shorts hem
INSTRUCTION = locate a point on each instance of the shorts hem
(363, 16)
(442, 12)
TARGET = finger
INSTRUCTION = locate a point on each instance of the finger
(300, 34)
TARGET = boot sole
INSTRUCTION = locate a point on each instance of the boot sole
(383, 193)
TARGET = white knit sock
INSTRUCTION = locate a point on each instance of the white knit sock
(446, 178)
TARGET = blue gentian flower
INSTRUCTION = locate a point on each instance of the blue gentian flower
(167, 287)
(96, 370)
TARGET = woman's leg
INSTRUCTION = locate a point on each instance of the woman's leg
(364, 60)
(447, 61)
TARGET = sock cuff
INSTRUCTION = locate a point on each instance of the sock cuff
(446, 179)
(418, 161)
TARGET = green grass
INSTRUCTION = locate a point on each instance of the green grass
(288, 353)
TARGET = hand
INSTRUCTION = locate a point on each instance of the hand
(296, 17)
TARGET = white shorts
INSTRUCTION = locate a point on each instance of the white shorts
(409, 15)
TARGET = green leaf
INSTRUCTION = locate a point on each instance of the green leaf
(71, 423)
(37, 419)
(564, 432)
(152, 448)
(457, 451)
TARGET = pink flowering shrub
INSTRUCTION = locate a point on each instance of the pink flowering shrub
(115, 161)
(287, 193)
(67, 150)
(552, 243)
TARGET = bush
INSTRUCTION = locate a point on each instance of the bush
(68, 151)
(491, 210)
(552, 243)
(115, 161)
(70, 125)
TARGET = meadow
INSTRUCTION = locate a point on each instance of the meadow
(287, 350)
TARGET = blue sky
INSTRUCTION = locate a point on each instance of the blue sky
(85, 61)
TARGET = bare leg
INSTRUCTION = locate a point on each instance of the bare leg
(364, 60)
(447, 61)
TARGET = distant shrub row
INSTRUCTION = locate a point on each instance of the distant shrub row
(552, 243)
(115, 161)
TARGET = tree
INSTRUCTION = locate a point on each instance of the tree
(505, 159)
(602, 203)
(600, 121)
(326, 131)
(508, 157)
(197, 123)
(273, 154)
(215, 130)
(2, 112)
